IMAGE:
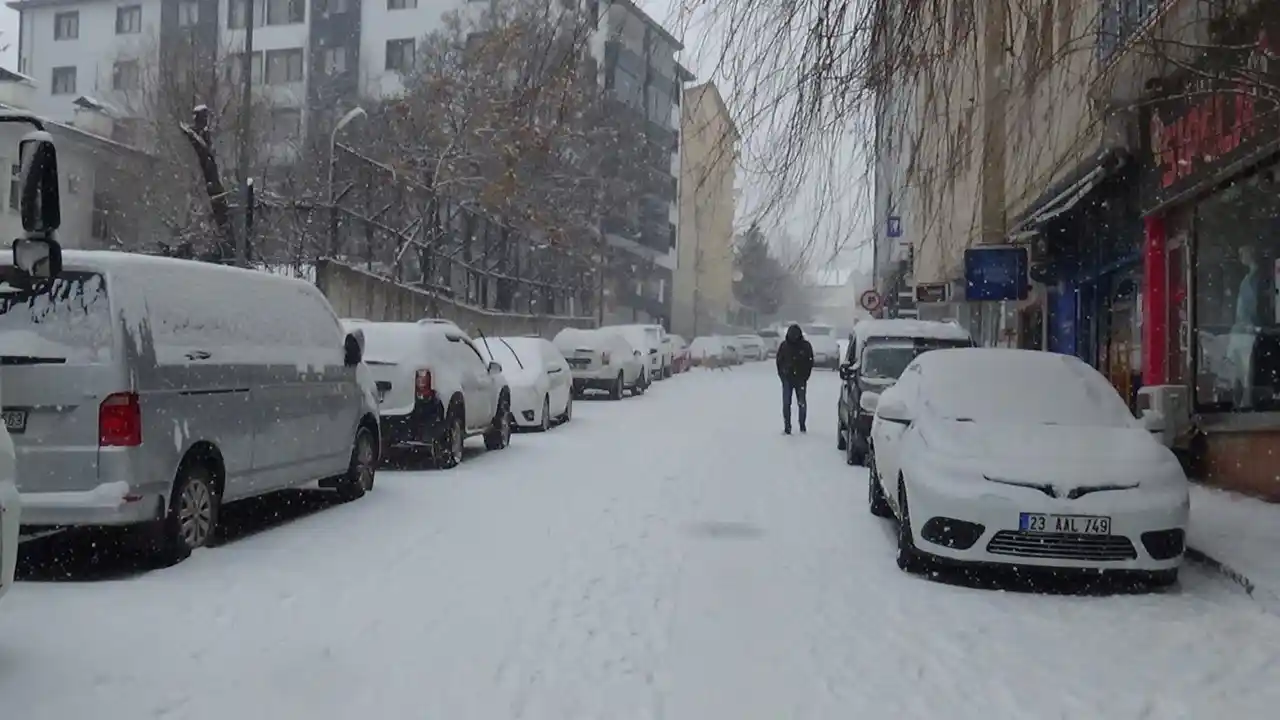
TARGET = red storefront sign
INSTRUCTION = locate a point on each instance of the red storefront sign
(1224, 109)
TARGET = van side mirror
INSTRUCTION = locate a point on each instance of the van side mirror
(353, 349)
(39, 202)
(38, 258)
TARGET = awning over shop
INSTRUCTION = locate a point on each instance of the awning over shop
(1067, 194)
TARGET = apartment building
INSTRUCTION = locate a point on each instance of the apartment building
(1125, 155)
(703, 295)
(314, 59)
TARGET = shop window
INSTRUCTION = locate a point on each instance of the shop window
(1236, 262)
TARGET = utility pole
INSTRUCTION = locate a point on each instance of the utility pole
(246, 114)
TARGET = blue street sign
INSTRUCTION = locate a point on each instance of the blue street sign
(894, 229)
(996, 273)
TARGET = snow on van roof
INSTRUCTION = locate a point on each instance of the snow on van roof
(908, 328)
(111, 259)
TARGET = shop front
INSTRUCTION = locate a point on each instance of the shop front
(1211, 200)
(1088, 258)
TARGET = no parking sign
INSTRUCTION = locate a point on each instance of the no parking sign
(869, 300)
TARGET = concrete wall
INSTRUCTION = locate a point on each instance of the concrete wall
(357, 294)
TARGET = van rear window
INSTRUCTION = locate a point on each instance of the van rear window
(67, 322)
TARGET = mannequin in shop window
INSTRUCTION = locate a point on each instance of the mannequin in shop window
(1244, 331)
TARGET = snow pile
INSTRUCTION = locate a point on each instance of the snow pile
(1240, 532)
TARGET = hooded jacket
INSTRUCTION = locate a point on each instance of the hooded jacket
(795, 357)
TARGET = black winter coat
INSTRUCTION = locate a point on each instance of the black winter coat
(795, 361)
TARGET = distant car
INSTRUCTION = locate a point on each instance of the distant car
(679, 354)
(436, 389)
(753, 347)
(771, 339)
(1023, 458)
(731, 349)
(826, 349)
(539, 377)
(648, 339)
(602, 361)
(706, 350)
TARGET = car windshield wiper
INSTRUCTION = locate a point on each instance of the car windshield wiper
(31, 360)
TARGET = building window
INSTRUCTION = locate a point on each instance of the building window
(236, 67)
(335, 60)
(285, 12)
(400, 55)
(236, 10)
(73, 184)
(286, 125)
(401, 4)
(1237, 309)
(126, 75)
(188, 13)
(284, 66)
(100, 228)
(15, 186)
(64, 80)
(334, 7)
(66, 25)
(129, 20)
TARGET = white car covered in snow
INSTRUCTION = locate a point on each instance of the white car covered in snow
(826, 348)
(602, 361)
(539, 377)
(1023, 458)
(649, 340)
(10, 514)
(435, 389)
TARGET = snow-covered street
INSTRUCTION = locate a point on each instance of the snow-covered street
(667, 556)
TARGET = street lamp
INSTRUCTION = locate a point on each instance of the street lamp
(352, 114)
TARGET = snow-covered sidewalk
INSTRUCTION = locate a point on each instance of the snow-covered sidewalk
(1240, 534)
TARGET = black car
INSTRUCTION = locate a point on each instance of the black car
(875, 367)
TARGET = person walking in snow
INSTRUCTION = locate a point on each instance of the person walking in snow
(795, 364)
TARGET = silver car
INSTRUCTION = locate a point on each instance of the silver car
(149, 392)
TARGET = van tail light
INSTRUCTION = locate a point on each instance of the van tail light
(604, 357)
(422, 387)
(120, 421)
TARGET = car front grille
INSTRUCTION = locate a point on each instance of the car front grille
(1061, 546)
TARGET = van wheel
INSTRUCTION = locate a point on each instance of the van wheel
(615, 392)
(446, 449)
(360, 473)
(546, 414)
(499, 434)
(192, 518)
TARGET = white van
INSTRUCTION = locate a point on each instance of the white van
(148, 392)
(649, 339)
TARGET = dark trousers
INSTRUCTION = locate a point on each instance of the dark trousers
(802, 403)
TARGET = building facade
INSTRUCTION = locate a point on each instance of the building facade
(702, 301)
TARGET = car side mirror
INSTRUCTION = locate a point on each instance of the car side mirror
(38, 258)
(38, 201)
(495, 368)
(637, 353)
(868, 401)
(353, 348)
(893, 410)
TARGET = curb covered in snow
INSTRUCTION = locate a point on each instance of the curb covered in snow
(1269, 600)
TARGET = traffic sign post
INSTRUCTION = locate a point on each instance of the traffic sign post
(869, 300)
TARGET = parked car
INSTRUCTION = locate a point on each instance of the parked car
(149, 392)
(731, 349)
(706, 349)
(648, 339)
(602, 361)
(826, 350)
(878, 352)
(10, 518)
(679, 354)
(1033, 459)
(772, 338)
(539, 377)
(437, 389)
(753, 347)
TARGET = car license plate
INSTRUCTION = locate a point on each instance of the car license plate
(15, 421)
(1075, 524)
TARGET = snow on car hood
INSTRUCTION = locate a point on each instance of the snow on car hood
(1083, 456)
